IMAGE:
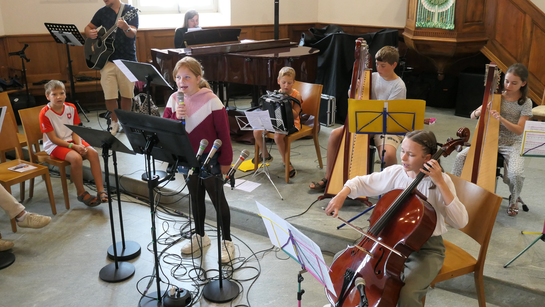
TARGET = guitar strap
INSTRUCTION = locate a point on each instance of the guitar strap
(119, 14)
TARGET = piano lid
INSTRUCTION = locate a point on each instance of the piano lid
(212, 36)
(243, 46)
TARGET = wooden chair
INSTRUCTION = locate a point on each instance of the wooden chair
(9, 177)
(482, 207)
(5, 102)
(31, 125)
(311, 95)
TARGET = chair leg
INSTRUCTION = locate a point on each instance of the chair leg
(479, 287)
(22, 191)
(424, 301)
(318, 152)
(64, 187)
(13, 225)
(50, 192)
(31, 189)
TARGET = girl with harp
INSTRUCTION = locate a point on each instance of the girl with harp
(515, 110)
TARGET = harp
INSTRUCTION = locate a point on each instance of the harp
(480, 164)
(353, 152)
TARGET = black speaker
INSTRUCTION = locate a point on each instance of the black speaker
(20, 101)
(470, 93)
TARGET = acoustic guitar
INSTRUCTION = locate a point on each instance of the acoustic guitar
(98, 50)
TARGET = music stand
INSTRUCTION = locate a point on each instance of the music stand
(136, 71)
(117, 271)
(397, 117)
(70, 36)
(261, 120)
(163, 139)
(299, 247)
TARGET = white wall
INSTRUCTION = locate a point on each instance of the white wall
(540, 4)
(383, 13)
(28, 16)
(2, 32)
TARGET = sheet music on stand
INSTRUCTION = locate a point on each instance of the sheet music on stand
(259, 120)
(533, 139)
(298, 246)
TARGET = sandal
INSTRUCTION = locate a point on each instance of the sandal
(88, 200)
(102, 196)
(513, 210)
(293, 171)
(319, 187)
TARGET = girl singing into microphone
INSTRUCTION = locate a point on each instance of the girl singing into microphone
(205, 118)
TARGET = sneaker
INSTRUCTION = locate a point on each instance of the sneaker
(33, 220)
(269, 159)
(5, 245)
(195, 244)
(227, 251)
(115, 128)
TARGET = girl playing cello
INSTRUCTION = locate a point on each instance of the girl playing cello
(417, 150)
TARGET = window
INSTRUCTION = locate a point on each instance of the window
(175, 6)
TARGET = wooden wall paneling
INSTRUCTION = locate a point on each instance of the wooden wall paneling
(537, 56)
(510, 21)
(160, 39)
(4, 70)
(474, 12)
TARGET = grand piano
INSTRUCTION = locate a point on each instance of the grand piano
(233, 61)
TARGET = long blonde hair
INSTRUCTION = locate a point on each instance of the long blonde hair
(194, 66)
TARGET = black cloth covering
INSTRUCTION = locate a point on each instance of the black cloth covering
(336, 59)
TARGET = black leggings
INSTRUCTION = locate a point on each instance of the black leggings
(197, 187)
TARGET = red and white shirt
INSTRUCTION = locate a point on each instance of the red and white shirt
(53, 121)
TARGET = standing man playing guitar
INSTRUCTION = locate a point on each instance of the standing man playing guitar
(123, 47)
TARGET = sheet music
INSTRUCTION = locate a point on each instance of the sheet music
(260, 120)
(125, 70)
(64, 36)
(3, 111)
(298, 246)
(533, 141)
(193, 29)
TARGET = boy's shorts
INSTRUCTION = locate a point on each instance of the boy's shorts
(60, 152)
(112, 80)
(391, 139)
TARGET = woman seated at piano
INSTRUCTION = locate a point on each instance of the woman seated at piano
(515, 110)
(191, 20)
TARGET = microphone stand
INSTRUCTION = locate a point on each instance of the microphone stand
(23, 57)
(220, 290)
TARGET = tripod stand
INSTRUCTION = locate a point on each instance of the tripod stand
(68, 35)
(261, 120)
(165, 140)
(23, 57)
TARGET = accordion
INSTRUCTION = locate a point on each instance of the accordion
(279, 107)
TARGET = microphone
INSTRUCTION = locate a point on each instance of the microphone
(180, 97)
(243, 155)
(202, 147)
(215, 146)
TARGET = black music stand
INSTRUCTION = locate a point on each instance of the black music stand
(117, 271)
(68, 35)
(163, 139)
(136, 71)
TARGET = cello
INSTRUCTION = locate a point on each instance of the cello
(369, 273)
